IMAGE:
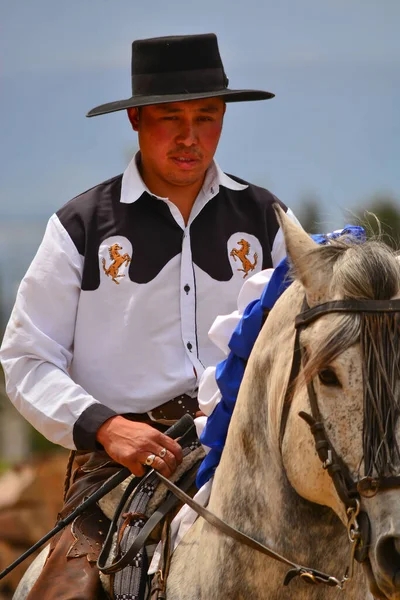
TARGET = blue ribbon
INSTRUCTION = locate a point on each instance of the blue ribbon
(229, 372)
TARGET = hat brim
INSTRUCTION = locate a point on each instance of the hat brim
(227, 94)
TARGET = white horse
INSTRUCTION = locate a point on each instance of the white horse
(277, 492)
(270, 483)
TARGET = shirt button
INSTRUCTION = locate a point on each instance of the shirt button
(189, 346)
(212, 190)
(187, 288)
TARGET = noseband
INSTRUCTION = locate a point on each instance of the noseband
(348, 490)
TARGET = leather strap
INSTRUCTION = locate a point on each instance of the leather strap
(233, 533)
(169, 503)
(369, 486)
(185, 424)
(159, 581)
(347, 306)
(168, 413)
(336, 468)
(174, 409)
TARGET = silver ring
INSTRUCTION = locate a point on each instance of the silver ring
(150, 459)
(163, 452)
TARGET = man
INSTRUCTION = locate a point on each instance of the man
(108, 336)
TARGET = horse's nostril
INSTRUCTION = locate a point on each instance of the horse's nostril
(388, 558)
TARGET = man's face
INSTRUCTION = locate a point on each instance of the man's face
(178, 140)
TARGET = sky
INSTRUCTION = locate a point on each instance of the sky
(332, 132)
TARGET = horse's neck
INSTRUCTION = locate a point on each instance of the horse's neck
(251, 470)
(251, 489)
(255, 497)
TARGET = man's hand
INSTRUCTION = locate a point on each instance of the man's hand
(129, 443)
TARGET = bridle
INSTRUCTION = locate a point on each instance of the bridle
(348, 490)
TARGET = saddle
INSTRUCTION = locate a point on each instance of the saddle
(141, 520)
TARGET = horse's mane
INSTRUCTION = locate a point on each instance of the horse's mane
(365, 271)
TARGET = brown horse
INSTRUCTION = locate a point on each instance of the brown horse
(117, 261)
(242, 255)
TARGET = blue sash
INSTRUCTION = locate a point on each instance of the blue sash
(229, 372)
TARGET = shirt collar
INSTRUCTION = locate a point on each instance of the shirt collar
(133, 186)
(216, 177)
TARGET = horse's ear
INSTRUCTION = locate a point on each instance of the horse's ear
(299, 245)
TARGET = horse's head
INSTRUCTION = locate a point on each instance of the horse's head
(245, 245)
(348, 379)
(113, 250)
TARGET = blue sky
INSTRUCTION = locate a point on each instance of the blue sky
(332, 131)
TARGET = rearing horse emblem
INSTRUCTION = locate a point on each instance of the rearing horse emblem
(117, 261)
(242, 255)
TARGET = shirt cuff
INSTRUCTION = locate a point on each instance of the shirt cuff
(87, 425)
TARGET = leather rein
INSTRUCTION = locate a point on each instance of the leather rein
(349, 491)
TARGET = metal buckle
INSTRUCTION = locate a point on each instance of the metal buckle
(308, 577)
(368, 487)
(353, 528)
(328, 462)
(354, 534)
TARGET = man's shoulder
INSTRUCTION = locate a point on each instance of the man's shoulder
(258, 193)
(88, 201)
(86, 211)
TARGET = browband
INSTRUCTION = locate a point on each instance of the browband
(347, 306)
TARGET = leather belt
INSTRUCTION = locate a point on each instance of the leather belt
(169, 412)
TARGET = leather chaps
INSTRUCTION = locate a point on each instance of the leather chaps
(70, 571)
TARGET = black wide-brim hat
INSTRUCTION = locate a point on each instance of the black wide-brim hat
(175, 69)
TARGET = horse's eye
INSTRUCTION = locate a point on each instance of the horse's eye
(328, 377)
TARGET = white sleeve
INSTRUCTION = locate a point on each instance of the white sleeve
(224, 325)
(37, 347)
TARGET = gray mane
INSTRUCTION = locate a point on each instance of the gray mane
(366, 271)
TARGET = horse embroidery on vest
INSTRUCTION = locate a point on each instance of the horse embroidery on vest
(117, 261)
(242, 255)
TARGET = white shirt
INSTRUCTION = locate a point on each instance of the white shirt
(87, 340)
